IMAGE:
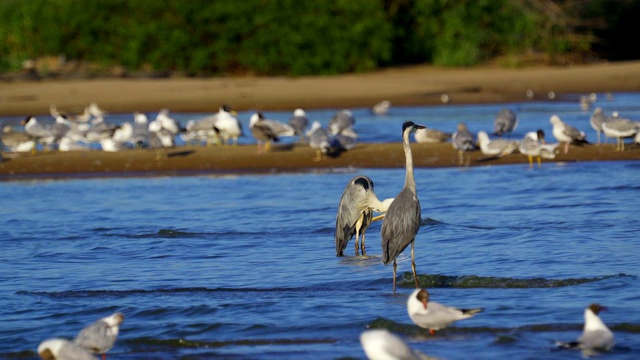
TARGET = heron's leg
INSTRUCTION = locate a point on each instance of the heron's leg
(394, 275)
(362, 244)
(357, 237)
(413, 265)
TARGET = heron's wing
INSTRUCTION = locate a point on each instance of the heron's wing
(348, 215)
(400, 225)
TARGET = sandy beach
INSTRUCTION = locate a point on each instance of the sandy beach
(418, 85)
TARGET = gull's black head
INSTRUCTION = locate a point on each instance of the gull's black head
(540, 134)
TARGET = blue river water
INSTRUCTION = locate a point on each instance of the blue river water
(244, 267)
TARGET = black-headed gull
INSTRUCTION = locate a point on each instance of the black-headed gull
(61, 349)
(432, 315)
(595, 336)
(100, 336)
(380, 344)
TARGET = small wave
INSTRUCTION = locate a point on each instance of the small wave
(473, 281)
(184, 343)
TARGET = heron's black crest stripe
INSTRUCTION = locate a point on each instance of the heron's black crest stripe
(406, 125)
(363, 182)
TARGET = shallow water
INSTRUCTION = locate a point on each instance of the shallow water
(244, 266)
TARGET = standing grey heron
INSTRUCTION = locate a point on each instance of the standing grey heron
(355, 212)
(402, 220)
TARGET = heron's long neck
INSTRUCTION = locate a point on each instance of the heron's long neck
(409, 181)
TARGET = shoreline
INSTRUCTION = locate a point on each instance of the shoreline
(414, 85)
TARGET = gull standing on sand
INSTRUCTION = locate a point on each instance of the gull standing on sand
(402, 220)
(533, 145)
(505, 122)
(496, 147)
(61, 349)
(597, 119)
(431, 136)
(344, 141)
(318, 140)
(355, 212)
(262, 132)
(595, 335)
(620, 129)
(432, 315)
(227, 125)
(566, 133)
(140, 136)
(462, 140)
(37, 131)
(380, 344)
(299, 122)
(99, 337)
(343, 119)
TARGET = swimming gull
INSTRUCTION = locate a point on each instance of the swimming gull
(61, 349)
(596, 336)
(99, 337)
(432, 315)
(380, 344)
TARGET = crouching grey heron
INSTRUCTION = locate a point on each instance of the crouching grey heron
(355, 212)
(402, 220)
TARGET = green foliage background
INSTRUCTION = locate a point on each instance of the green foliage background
(275, 37)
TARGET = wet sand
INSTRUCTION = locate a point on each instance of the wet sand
(244, 159)
(419, 85)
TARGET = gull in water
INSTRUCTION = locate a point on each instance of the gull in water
(343, 119)
(299, 122)
(566, 133)
(620, 128)
(380, 344)
(462, 140)
(381, 108)
(596, 336)
(318, 140)
(432, 315)
(263, 132)
(431, 136)
(355, 212)
(402, 220)
(61, 349)
(99, 337)
(505, 122)
(533, 145)
(496, 147)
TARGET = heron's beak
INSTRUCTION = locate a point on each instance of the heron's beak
(377, 218)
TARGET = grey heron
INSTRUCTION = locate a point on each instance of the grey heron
(355, 212)
(402, 220)
(506, 121)
(99, 337)
(566, 133)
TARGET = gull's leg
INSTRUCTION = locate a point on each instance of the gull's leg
(539, 161)
(530, 161)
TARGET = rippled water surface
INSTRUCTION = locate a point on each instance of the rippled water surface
(244, 266)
